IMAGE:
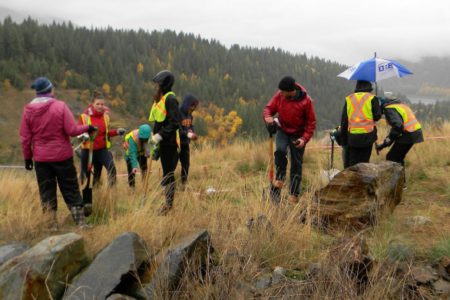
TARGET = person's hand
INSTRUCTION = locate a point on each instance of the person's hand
(134, 171)
(387, 141)
(268, 120)
(300, 143)
(156, 138)
(121, 131)
(29, 164)
(92, 129)
(83, 137)
(191, 135)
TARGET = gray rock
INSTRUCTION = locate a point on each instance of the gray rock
(418, 221)
(442, 287)
(278, 275)
(115, 269)
(42, 271)
(119, 297)
(264, 281)
(358, 196)
(9, 251)
(170, 265)
(423, 275)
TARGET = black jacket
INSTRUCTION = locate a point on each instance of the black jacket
(364, 139)
(168, 128)
(397, 133)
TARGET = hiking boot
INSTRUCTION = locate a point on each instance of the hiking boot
(164, 209)
(293, 199)
(87, 210)
(278, 184)
(78, 217)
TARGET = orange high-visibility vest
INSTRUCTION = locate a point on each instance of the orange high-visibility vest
(359, 112)
(86, 120)
(410, 123)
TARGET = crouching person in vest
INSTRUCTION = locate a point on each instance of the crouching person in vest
(96, 115)
(166, 116)
(135, 146)
(45, 130)
(405, 129)
(361, 111)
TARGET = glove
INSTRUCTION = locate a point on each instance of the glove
(83, 137)
(191, 135)
(134, 171)
(156, 138)
(155, 153)
(92, 129)
(272, 128)
(386, 143)
(120, 131)
(29, 164)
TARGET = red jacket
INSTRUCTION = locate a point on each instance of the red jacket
(98, 120)
(297, 117)
(45, 130)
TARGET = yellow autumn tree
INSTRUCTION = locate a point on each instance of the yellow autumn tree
(6, 84)
(140, 68)
(220, 127)
(119, 90)
(106, 89)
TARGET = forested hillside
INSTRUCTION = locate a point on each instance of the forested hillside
(123, 62)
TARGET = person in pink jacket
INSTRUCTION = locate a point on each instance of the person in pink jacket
(45, 130)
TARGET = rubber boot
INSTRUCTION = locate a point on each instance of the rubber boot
(87, 209)
(78, 216)
(169, 191)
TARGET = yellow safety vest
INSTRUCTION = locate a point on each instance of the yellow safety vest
(86, 120)
(359, 112)
(410, 123)
(135, 136)
(158, 113)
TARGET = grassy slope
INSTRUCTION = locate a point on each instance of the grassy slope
(237, 173)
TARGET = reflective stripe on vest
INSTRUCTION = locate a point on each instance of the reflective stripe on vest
(86, 120)
(158, 112)
(359, 112)
(410, 123)
(135, 136)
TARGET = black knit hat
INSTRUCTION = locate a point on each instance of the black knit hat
(287, 84)
(363, 86)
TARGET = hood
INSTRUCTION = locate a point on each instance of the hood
(384, 102)
(188, 101)
(39, 105)
(300, 93)
(92, 112)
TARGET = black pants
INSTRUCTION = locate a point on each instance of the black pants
(185, 162)
(398, 152)
(142, 160)
(358, 154)
(63, 172)
(169, 161)
(100, 158)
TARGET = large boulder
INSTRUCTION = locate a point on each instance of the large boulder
(115, 269)
(190, 253)
(11, 250)
(42, 271)
(357, 197)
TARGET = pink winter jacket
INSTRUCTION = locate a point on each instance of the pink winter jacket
(45, 130)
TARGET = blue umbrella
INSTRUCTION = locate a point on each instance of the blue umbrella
(375, 69)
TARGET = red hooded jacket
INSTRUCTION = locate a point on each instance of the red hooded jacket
(296, 116)
(45, 130)
(98, 120)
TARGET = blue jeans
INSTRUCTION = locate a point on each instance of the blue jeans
(283, 142)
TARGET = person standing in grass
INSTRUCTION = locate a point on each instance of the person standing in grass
(165, 114)
(296, 125)
(359, 114)
(405, 129)
(187, 134)
(95, 114)
(45, 130)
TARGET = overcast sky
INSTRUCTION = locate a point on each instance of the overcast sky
(346, 31)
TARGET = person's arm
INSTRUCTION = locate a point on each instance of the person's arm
(173, 118)
(310, 122)
(70, 127)
(112, 132)
(344, 125)
(395, 121)
(271, 107)
(376, 109)
(25, 137)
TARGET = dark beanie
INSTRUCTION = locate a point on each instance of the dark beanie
(287, 84)
(42, 85)
(363, 86)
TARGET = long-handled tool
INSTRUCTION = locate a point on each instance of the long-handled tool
(146, 179)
